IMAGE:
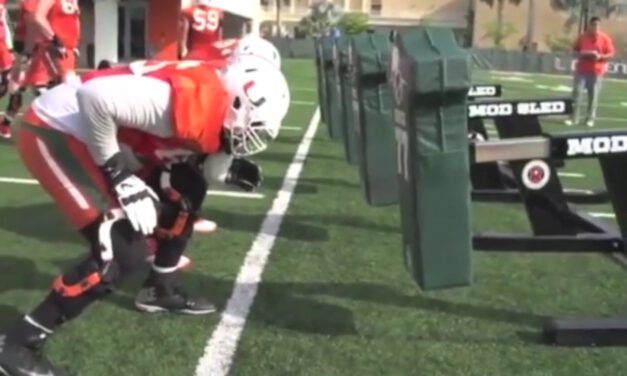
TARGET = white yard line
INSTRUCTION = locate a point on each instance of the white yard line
(571, 175)
(235, 194)
(577, 190)
(603, 215)
(303, 103)
(220, 349)
(289, 128)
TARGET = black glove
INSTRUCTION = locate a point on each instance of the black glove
(245, 174)
(57, 48)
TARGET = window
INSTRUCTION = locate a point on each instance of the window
(375, 7)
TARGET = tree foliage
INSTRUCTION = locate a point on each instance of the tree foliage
(585, 8)
(354, 23)
(322, 17)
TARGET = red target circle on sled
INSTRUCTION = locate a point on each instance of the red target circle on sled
(536, 174)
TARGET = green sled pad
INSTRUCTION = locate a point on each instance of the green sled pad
(372, 114)
(333, 113)
(320, 80)
(430, 77)
(345, 94)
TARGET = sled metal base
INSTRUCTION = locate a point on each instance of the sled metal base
(580, 243)
(586, 332)
(512, 195)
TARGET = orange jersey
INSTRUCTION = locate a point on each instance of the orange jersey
(205, 29)
(27, 9)
(4, 34)
(64, 18)
(199, 106)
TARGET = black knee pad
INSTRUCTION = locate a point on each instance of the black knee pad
(188, 179)
(181, 190)
(117, 250)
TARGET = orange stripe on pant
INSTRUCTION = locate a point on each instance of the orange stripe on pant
(65, 169)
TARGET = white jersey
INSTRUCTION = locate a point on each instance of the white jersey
(93, 111)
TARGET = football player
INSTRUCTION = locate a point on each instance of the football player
(221, 52)
(201, 30)
(56, 24)
(6, 49)
(119, 154)
(22, 47)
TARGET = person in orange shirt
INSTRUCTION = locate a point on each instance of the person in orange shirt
(593, 49)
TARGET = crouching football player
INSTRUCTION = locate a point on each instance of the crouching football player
(77, 142)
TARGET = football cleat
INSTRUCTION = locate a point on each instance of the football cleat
(5, 131)
(20, 360)
(153, 299)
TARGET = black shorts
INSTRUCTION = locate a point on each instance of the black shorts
(18, 46)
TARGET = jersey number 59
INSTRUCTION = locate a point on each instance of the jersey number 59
(69, 6)
(206, 20)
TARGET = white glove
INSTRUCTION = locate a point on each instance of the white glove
(138, 202)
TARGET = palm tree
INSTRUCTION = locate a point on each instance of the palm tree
(279, 5)
(500, 7)
(530, 36)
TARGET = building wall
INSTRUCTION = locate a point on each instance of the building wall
(392, 12)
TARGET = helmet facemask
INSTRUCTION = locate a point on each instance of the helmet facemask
(246, 134)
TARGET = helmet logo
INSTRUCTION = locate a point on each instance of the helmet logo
(248, 89)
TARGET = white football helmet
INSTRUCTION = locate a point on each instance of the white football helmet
(257, 46)
(260, 99)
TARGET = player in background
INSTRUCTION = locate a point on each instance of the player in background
(170, 116)
(201, 32)
(201, 29)
(55, 29)
(6, 59)
(22, 46)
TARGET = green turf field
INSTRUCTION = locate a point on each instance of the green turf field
(335, 297)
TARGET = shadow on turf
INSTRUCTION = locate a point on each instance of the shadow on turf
(296, 227)
(41, 221)
(288, 157)
(300, 307)
(307, 185)
(8, 314)
(22, 274)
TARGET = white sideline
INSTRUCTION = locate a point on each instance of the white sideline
(236, 194)
(220, 348)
